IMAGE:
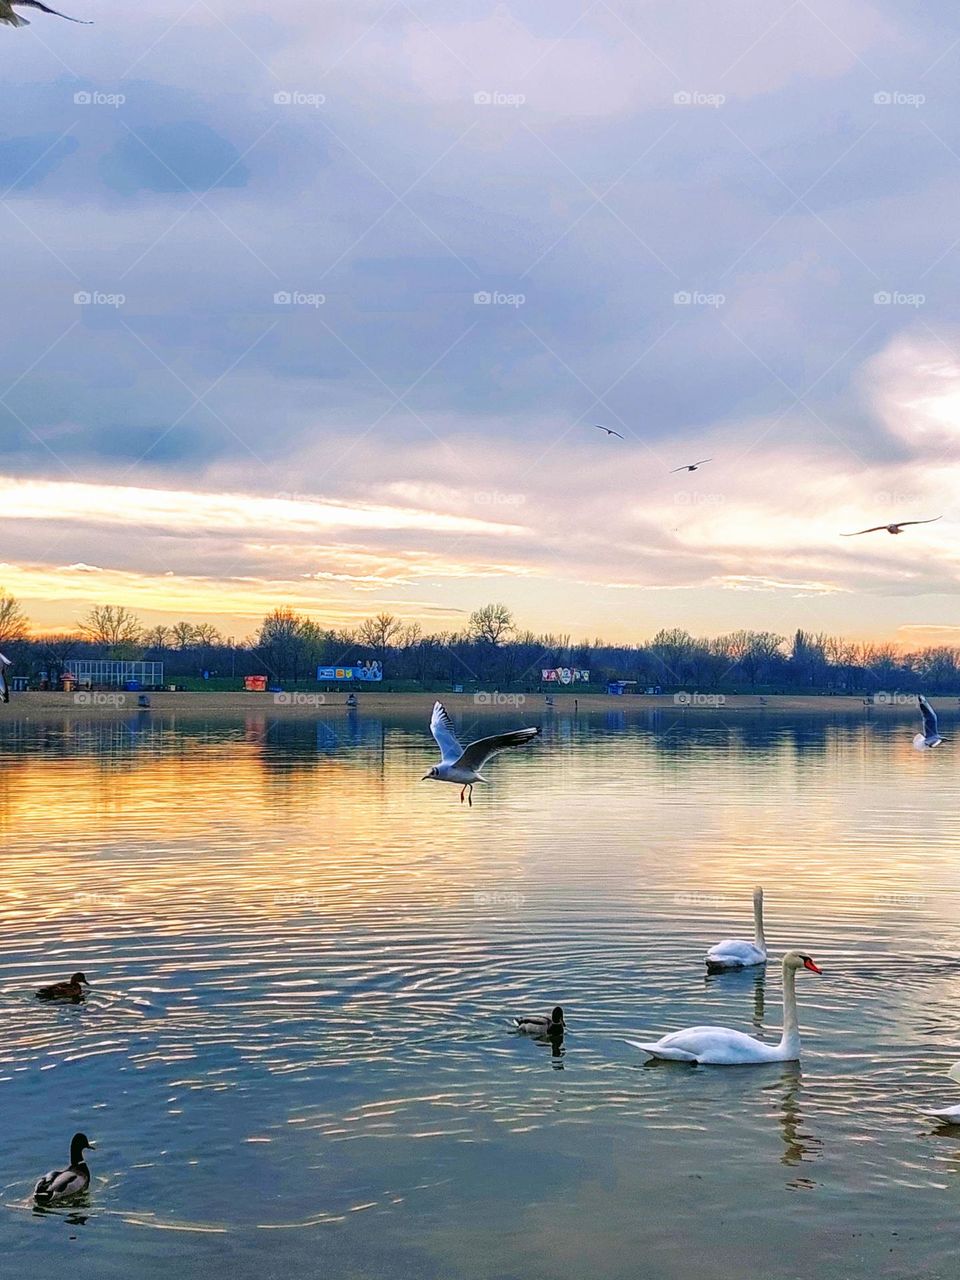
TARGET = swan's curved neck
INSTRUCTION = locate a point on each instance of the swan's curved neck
(758, 938)
(790, 1040)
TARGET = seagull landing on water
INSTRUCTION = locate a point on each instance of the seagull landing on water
(898, 527)
(609, 431)
(4, 687)
(12, 19)
(691, 466)
(462, 765)
(930, 737)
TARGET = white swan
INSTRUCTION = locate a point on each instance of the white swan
(719, 1046)
(948, 1115)
(737, 953)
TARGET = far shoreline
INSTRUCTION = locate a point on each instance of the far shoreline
(531, 706)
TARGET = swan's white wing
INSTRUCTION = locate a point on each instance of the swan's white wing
(949, 1115)
(734, 952)
(441, 726)
(479, 752)
(718, 1046)
(658, 1051)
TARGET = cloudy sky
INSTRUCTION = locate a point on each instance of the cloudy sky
(318, 304)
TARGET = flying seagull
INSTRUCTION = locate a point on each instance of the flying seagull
(462, 765)
(12, 19)
(691, 466)
(929, 738)
(608, 431)
(898, 527)
(4, 687)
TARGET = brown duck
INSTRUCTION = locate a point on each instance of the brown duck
(72, 990)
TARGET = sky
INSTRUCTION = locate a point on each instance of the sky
(319, 305)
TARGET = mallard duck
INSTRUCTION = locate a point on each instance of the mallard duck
(63, 1184)
(538, 1025)
(72, 990)
(12, 19)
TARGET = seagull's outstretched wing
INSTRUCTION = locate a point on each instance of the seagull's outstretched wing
(932, 520)
(35, 4)
(441, 726)
(874, 528)
(609, 431)
(929, 717)
(479, 752)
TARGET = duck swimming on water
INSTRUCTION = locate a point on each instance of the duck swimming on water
(541, 1025)
(64, 1184)
(72, 990)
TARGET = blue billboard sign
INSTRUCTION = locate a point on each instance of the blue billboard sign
(370, 671)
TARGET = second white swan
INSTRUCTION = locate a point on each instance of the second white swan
(737, 953)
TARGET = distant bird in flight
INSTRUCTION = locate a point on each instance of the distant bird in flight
(890, 528)
(12, 19)
(930, 737)
(609, 432)
(691, 466)
(462, 765)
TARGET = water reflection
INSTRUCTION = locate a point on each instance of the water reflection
(278, 919)
(799, 1146)
(752, 980)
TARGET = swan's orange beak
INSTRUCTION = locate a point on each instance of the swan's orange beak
(808, 964)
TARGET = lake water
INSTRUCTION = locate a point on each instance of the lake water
(296, 1057)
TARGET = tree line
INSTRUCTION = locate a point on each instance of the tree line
(490, 652)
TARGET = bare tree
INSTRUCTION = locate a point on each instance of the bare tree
(157, 637)
(13, 621)
(492, 623)
(379, 632)
(112, 625)
(183, 633)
